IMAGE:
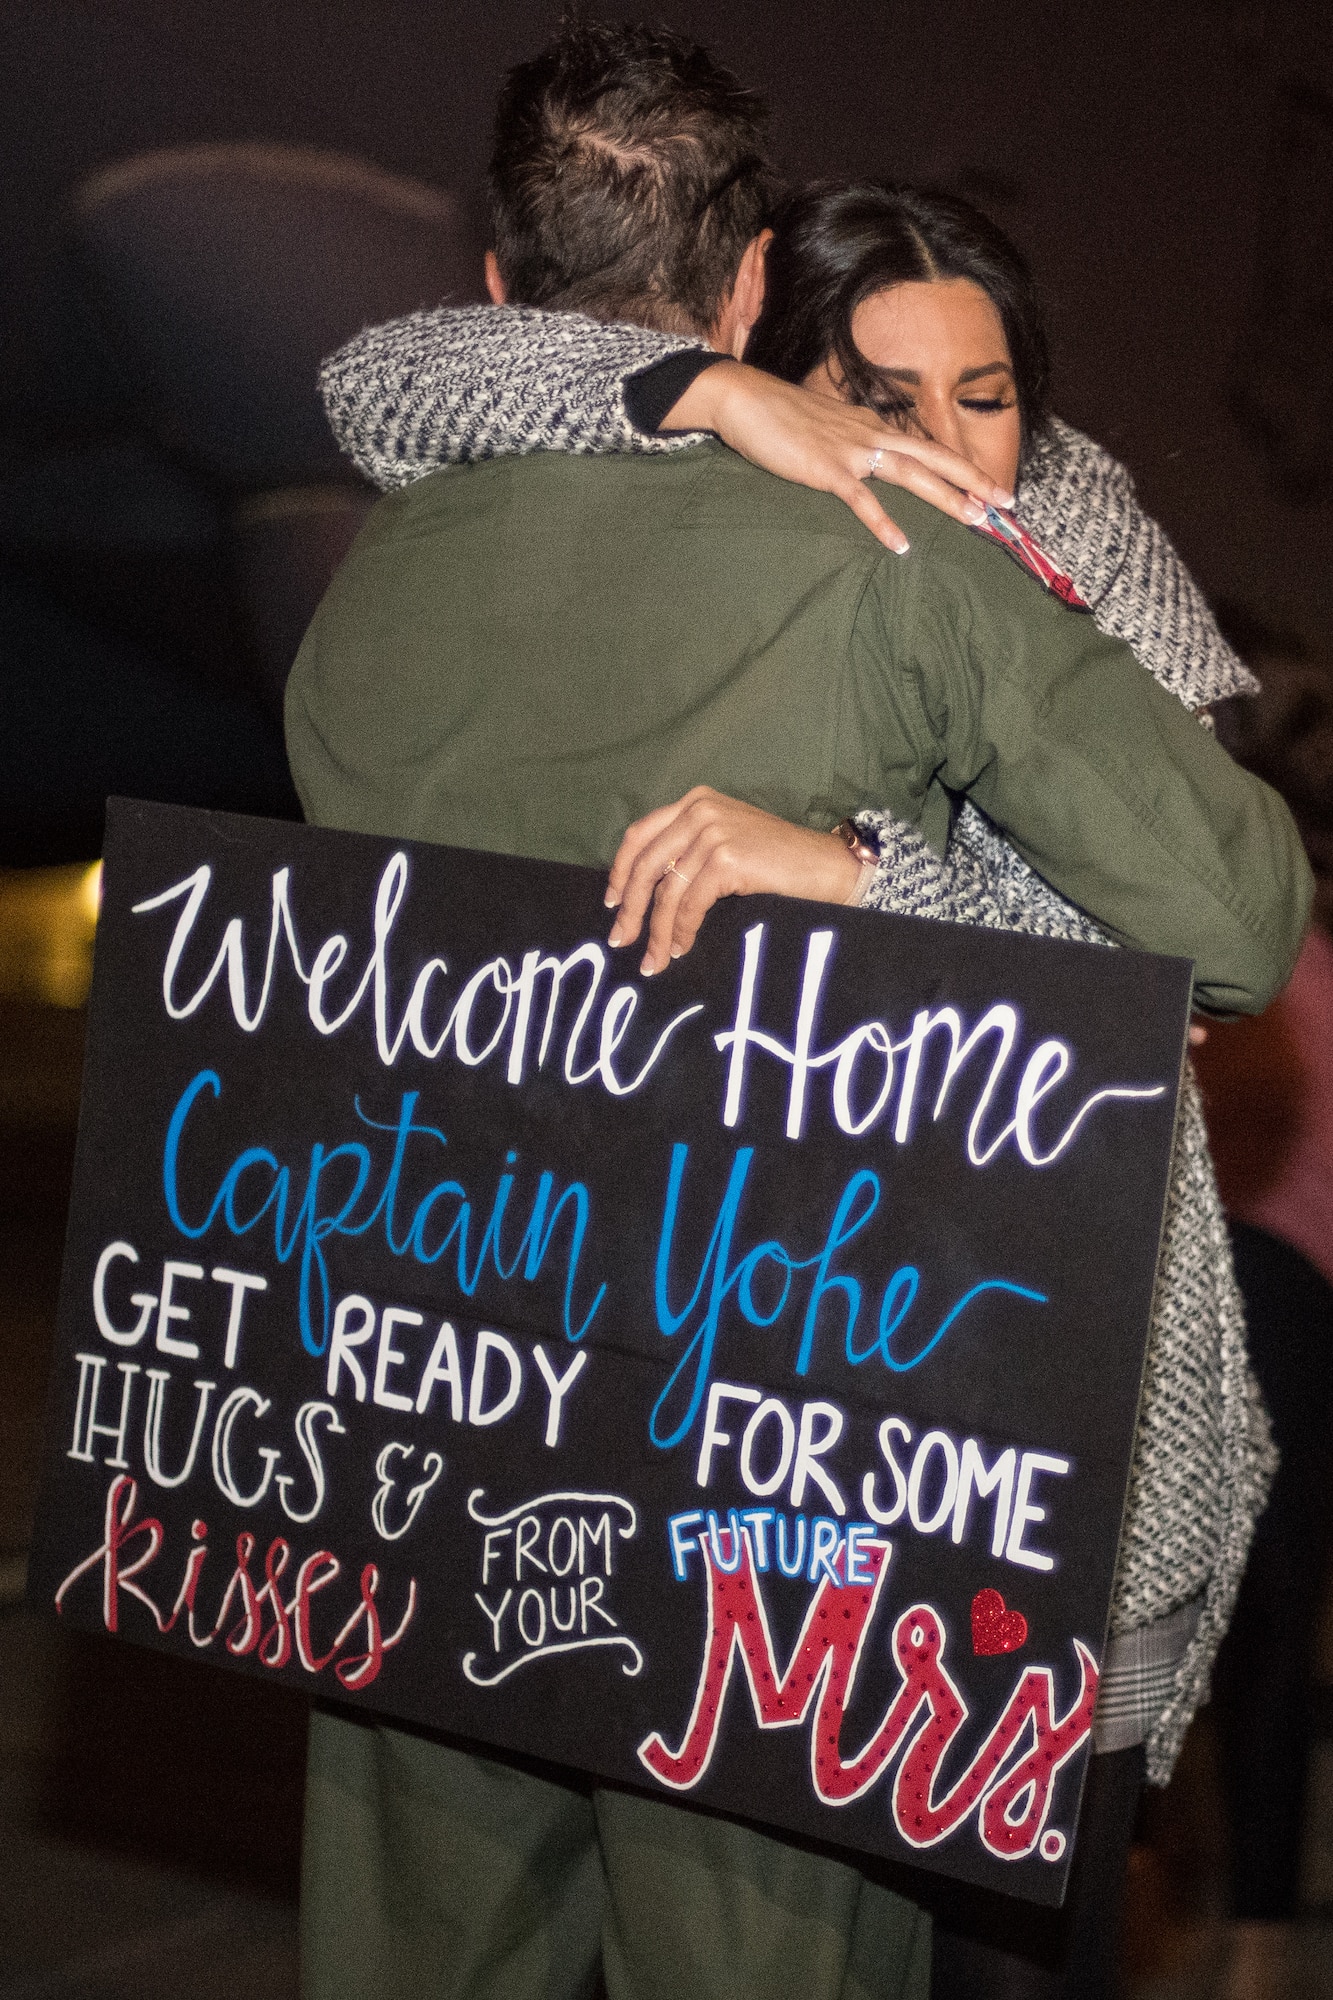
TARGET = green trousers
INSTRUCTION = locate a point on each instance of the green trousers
(431, 1873)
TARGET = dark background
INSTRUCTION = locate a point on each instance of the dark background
(1126, 146)
(1168, 168)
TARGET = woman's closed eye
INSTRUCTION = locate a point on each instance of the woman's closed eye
(903, 417)
(986, 406)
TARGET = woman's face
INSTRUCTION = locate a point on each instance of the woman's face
(942, 343)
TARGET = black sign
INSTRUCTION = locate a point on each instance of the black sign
(723, 1383)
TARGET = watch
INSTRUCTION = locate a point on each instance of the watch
(865, 849)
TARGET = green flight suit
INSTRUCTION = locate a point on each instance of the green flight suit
(524, 657)
(529, 654)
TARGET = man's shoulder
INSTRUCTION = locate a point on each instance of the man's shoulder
(707, 483)
(707, 493)
(559, 487)
(728, 489)
(728, 492)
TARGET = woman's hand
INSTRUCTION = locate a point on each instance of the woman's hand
(820, 441)
(682, 857)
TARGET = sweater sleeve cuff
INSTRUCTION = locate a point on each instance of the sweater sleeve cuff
(654, 391)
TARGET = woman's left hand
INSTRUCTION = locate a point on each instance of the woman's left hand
(817, 440)
(680, 859)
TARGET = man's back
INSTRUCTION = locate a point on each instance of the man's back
(570, 643)
(526, 656)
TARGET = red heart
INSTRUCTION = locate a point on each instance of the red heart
(995, 1630)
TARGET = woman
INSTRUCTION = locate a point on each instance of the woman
(916, 307)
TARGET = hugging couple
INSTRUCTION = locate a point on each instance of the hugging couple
(608, 613)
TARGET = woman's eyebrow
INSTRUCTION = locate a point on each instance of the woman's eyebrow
(913, 376)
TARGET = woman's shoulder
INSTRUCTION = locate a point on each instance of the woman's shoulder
(1080, 504)
(1066, 461)
(1078, 501)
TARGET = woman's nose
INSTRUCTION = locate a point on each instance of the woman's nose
(940, 417)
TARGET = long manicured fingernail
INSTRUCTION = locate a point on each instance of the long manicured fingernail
(974, 512)
(901, 548)
(615, 937)
(676, 951)
(647, 968)
(611, 900)
(1009, 501)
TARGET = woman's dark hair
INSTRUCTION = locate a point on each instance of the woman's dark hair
(837, 243)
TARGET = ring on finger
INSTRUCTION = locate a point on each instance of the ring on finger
(671, 869)
(876, 460)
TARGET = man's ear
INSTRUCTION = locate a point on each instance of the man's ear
(731, 329)
(496, 289)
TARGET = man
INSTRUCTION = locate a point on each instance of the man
(527, 655)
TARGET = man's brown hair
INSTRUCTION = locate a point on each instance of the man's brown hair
(629, 173)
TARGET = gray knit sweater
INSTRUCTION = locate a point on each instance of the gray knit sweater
(454, 386)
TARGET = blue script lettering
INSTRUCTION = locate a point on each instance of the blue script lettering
(770, 1267)
(257, 1184)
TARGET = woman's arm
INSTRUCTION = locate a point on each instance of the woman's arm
(718, 846)
(460, 384)
(464, 383)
